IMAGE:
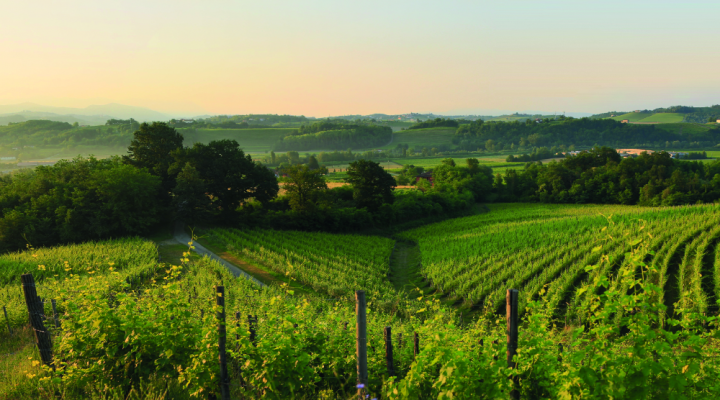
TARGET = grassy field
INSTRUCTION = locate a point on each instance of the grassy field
(420, 138)
(492, 162)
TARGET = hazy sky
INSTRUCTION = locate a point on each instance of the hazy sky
(321, 58)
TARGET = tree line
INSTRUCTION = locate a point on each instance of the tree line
(437, 123)
(601, 176)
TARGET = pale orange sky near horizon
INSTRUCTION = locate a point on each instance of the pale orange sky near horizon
(321, 58)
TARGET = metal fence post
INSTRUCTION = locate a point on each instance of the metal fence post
(361, 341)
(222, 333)
(512, 336)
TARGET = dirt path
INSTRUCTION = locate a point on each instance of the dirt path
(405, 266)
(184, 238)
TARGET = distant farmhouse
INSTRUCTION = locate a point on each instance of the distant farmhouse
(718, 121)
(625, 121)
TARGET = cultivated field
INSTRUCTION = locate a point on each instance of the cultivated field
(420, 138)
(251, 140)
(548, 247)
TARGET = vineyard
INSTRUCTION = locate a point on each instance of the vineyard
(548, 248)
(616, 302)
(336, 265)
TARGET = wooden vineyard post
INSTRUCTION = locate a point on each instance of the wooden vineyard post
(7, 320)
(251, 325)
(387, 333)
(361, 340)
(512, 335)
(416, 344)
(55, 314)
(237, 325)
(36, 313)
(222, 337)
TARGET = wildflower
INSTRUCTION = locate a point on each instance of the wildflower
(360, 386)
(41, 267)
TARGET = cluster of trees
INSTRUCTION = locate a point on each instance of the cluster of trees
(202, 182)
(76, 200)
(601, 176)
(436, 123)
(538, 153)
(700, 155)
(368, 201)
(335, 135)
(567, 131)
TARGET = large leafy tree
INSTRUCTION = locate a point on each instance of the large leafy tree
(372, 185)
(152, 147)
(190, 199)
(304, 186)
(230, 176)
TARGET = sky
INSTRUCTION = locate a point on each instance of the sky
(322, 58)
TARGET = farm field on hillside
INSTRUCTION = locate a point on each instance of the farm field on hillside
(531, 247)
(662, 118)
(435, 161)
(633, 116)
(420, 138)
(251, 140)
(685, 127)
(152, 329)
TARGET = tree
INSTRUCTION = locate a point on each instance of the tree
(304, 186)
(190, 199)
(313, 163)
(230, 175)
(473, 165)
(272, 157)
(372, 185)
(152, 147)
(448, 161)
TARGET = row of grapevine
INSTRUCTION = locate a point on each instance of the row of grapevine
(536, 247)
(328, 263)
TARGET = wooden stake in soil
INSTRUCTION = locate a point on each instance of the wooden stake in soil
(251, 324)
(7, 320)
(416, 344)
(55, 314)
(512, 335)
(36, 313)
(387, 333)
(222, 337)
(361, 341)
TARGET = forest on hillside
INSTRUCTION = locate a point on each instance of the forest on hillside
(25, 137)
(571, 131)
(335, 135)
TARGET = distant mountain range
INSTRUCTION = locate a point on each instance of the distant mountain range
(90, 115)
